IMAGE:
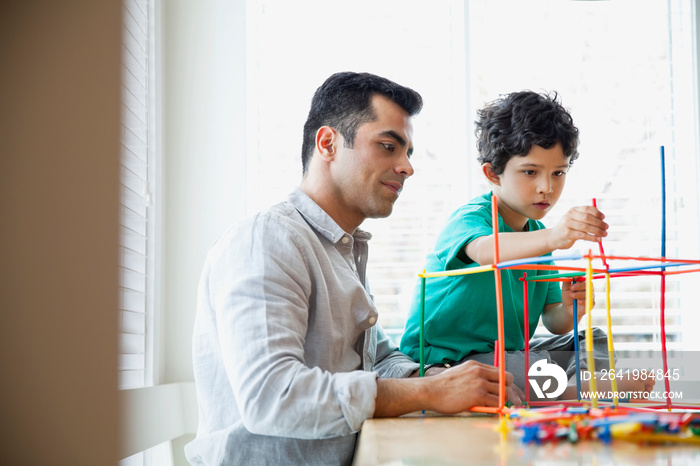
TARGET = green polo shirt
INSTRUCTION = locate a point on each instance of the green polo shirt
(460, 311)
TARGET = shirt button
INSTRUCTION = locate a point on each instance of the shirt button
(345, 240)
(372, 320)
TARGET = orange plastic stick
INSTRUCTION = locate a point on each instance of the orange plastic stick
(499, 309)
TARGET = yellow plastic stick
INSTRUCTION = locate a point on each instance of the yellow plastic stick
(452, 273)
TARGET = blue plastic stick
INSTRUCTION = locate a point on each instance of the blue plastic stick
(535, 260)
(663, 202)
(644, 267)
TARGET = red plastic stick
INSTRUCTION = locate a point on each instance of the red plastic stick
(526, 331)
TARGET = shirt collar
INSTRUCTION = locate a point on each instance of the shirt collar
(320, 220)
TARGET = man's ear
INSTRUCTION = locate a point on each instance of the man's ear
(490, 175)
(326, 142)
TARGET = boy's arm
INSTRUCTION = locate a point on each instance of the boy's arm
(585, 222)
(511, 246)
(558, 317)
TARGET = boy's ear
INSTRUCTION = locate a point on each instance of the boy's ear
(326, 141)
(490, 175)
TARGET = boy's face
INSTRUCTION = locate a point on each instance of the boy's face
(531, 185)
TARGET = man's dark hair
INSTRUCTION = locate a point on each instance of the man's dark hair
(512, 124)
(344, 102)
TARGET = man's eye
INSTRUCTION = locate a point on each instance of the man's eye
(559, 173)
(389, 147)
(529, 172)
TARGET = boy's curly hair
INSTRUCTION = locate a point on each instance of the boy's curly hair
(512, 124)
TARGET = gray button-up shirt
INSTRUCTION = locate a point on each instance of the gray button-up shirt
(286, 346)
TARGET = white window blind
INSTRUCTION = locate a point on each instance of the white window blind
(624, 71)
(137, 173)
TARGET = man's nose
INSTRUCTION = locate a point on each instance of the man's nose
(404, 167)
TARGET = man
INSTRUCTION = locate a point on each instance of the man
(288, 357)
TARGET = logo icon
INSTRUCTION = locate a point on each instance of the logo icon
(546, 372)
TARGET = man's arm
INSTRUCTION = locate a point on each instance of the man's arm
(471, 384)
(451, 391)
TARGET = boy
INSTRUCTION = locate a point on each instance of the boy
(527, 142)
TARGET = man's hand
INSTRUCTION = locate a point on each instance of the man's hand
(515, 395)
(451, 391)
(433, 370)
(467, 385)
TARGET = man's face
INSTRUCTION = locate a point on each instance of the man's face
(531, 185)
(370, 176)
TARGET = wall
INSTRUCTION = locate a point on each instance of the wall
(203, 79)
(203, 167)
(59, 176)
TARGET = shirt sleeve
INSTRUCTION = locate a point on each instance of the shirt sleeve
(392, 363)
(553, 292)
(463, 227)
(259, 287)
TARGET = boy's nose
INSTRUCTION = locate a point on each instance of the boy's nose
(545, 186)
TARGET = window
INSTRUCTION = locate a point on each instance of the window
(138, 218)
(624, 71)
(424, 50)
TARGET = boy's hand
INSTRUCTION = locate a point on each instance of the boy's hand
(585, 222)
(576, 291)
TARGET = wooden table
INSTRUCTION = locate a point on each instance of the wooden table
(436, 440)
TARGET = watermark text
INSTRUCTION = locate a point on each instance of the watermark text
(629, 395)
